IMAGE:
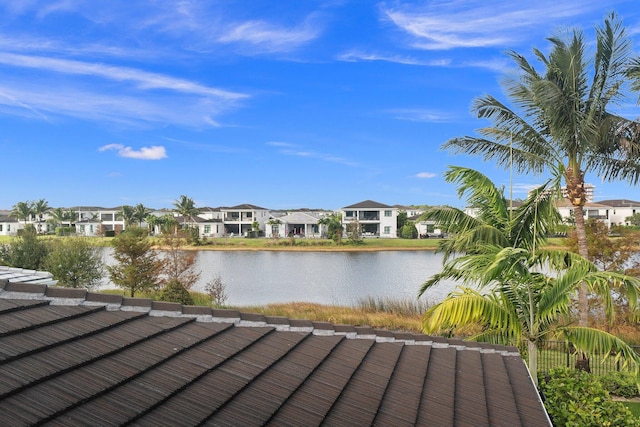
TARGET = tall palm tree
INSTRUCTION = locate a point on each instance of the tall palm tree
(563, 123)
(525, 306)
(22, 211)
(186, 207)
(40, 208)
(140, 213)
(127, 213)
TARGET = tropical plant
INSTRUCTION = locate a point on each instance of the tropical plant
(22, 211)
(186, 207)
(40, 208)
(275, 223)
(564, 124)
(26, 250)
(333, 222)
(137, 266)
(525, 297)
(154, 222)
(76, 263)
(127, 214)
(140, 213)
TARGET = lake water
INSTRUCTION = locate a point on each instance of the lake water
(343, 278)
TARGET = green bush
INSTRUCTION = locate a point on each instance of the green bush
(621, 384)
(575, 398)
(175, 292)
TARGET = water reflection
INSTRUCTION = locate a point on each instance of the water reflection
(262, 277)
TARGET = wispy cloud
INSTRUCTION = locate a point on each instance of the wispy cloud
(421, 115)
(155, 152)
(439, 25)
(294, 150)
(356, 56)
(270, 37)
(426, 175)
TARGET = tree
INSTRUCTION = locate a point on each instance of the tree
(186, 207)
(333, 222)
(523, 305)
(154, 222)
(565, 125)
(40, 208)
(409, 230)
(634, 219)
(275, 223)
(216, 289)
(128, 215)
(401, 220)
(137, 268)
(76, 263)
(178, 265)
(25, 251)
(174, 291)
(22, 211)
(140, 213)
(354, 232)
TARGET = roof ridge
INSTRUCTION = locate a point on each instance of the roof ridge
(78, 296)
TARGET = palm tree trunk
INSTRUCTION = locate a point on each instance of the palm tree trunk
(581, 234)
(532, 355)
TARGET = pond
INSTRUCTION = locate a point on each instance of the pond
(341, 278)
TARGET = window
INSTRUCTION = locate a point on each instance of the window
(207, 229)
(0, 227)
(387, 230)
(387, 213)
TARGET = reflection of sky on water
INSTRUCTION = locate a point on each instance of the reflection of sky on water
(262, 277)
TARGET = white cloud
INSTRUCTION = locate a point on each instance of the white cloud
(293, 150)
(440, 24)
(426, 175)
(355, 56)
(155, 152)
(420, 115)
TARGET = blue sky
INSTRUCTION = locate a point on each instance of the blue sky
(283, 104)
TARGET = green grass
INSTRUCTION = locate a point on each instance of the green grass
(634, 407)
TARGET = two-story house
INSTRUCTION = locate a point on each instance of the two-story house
(376, 219)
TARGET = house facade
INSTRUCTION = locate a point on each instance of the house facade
(238, 220)
(295, 224)
(376, 219)
(620, 210)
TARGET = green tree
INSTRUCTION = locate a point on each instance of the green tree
(40, 208)
(565, 125)
(275, 223)
(76, 263)
(401, 220)
(128, 215)
(633, 219)
(137, 266)
(154, 222)
(409, 230)
(140, 213)
(22, 211)
(25, 251)
(523, 305)
(333, 222)
(186, 207)
(174, 291)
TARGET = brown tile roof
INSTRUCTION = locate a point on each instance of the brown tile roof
(68, 357)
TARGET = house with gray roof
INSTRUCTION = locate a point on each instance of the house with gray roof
(376, 219)
(620, 210)
(71, 357)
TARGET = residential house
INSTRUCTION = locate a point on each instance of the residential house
(9, 226)
(620, 210)
(71, 357)
(295, 224)
(591, 210)
(376, 219)
(238, 220)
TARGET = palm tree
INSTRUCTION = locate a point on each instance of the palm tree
(40, 208)
(22, 211)
(140, 213)
(525, 306)
(564, 124)
(186, 207)
(127, 213)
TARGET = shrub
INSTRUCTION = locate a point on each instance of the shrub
(175, 292)
(621, 384)
(576, 398)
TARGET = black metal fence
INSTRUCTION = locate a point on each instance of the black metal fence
(560, 354)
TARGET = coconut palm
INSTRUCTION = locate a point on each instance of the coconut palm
(564, 123)
(22, 211)
(127, 214)
(40, 208)
(186, 207)
(496, 222)
(524, 306)
(140, 213)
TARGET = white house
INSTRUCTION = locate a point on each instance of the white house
(620, 210)
(376, 219)
(597, 211)
(238, 220)
(296, 224)
(9, 226)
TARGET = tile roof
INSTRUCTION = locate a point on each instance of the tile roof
(69, 357)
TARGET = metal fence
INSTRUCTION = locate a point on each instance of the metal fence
(560, 354)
